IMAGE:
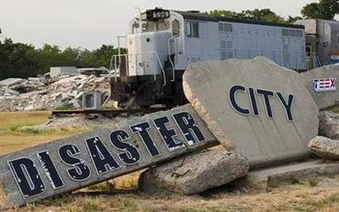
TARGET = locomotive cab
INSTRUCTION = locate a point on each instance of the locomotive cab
(149, 70)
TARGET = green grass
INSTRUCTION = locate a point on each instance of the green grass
(66, 107)
(16, 133)
(14, 120)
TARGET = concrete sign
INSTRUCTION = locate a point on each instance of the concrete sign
(321, 82)
(255, 107)
(88, 158)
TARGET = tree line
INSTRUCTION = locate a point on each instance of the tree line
(23, 60)
(324, 9)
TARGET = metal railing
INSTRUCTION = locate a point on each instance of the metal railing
(117, 67)
(171, 39)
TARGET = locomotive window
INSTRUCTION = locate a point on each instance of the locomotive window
(155, 26)
(148, 27)
(175, 27)
(162, 25)
(193, 29)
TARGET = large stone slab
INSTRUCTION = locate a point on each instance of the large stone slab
(325, 147)
(322, 84)
(88, 158)
(11, 81)
(255, 107)
(288, 174)
(195, 173)
(329, 124)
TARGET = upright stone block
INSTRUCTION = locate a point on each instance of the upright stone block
(322, 84)
(88, 158)
(255, 107)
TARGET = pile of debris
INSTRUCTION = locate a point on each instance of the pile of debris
(38, 93)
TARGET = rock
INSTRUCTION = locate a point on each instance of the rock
(10, 92)
(194, 173)
(329, 124)
(324, 99)
(84, 159)
(11, 81)
(93, 71)
(255, 107)
(28, 108)
(325, 147)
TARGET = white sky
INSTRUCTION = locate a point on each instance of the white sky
(91, 23)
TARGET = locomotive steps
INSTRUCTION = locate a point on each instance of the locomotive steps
(261, 113)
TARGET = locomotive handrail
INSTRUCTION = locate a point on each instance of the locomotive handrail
(169, 56)
(162, 69)
(126, 57)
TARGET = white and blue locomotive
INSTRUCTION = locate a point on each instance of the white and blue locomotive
(162, 44)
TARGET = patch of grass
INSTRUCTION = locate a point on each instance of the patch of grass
(313, 182)
(33, 131)
(312, 205)
(296, 181)
(107, 186)
(13, 128)
(65, 129)
(66, 107)
(90, 205)
(128, 203)
(14, 120)
(58, 201)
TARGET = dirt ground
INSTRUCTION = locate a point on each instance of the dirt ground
(122, 194)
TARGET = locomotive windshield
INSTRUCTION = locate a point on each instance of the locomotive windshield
(150, 26)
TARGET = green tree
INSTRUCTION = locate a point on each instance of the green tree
(22, 60)
(325, 9)
(223, 13)
(17, 60)
(257, 14)
(263, 15)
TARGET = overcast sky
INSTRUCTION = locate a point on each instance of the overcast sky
(91, 23)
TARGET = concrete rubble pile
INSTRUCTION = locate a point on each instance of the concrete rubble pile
(38, 94)
(326, 145)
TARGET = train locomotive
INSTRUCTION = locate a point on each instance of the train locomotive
(163, 43)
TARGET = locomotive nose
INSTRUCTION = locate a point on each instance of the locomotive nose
(147, 53)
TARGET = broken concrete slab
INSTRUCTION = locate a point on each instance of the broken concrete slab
(288, 174)
(11, 81)
(10, 92)
(93, 71)
(72, 163)
(329, 124)
(255, 107)
(322, 84)
(194, 173)
(325, 147)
